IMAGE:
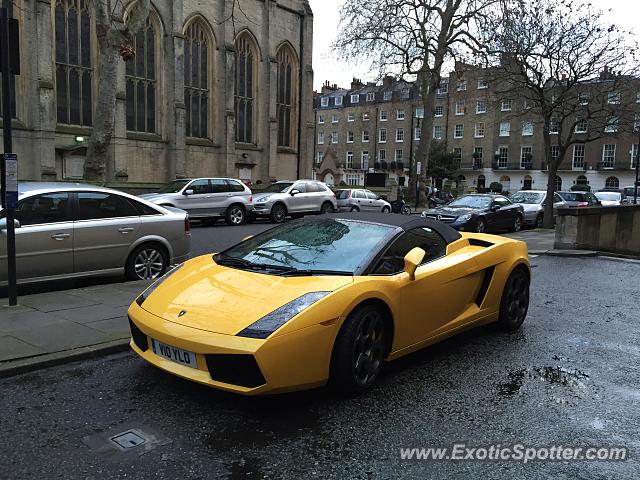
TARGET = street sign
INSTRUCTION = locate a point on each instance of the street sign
(418, 167)
(11, 169)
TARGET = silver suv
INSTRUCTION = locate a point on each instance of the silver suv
(206, 198)
(294, 198)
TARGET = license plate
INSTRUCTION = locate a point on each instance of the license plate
(174, 354)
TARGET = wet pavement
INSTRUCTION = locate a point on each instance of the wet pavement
(568, 377)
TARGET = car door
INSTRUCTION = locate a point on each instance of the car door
(313, 197)
(106, 224)
(504, 216)
(298, 202)
(44, 240)
(360, 200)
(219, 198)
(444, 286)
(372, 201)
(198, 201)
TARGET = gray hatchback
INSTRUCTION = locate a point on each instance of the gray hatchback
(73, 230)
(206, 198)
(358, 199)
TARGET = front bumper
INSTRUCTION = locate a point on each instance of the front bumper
(529, 218)
(262, 209)
(288, 362)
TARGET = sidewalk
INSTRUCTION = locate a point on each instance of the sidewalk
(76, 322)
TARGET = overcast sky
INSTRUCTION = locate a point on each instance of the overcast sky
(625, 13)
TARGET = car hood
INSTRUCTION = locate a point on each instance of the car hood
(454, 212)
(530, 207)
(609, 203)
(258, 196)
(226, 300)
(150, 197)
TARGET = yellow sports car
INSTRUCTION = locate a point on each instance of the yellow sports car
(326, 299)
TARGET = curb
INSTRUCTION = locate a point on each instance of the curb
(12, 368)
(572, 253)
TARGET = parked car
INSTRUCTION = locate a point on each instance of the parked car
(360, 200)
(206, 198)
(295, 197)
(629, 192)
(72, 230)
(609, 198)
(326, 300)
(480, 213)
(579, 199)
(533, 203)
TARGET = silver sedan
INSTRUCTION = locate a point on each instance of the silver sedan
(73, 230)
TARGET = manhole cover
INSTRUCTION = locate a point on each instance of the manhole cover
(128, 439)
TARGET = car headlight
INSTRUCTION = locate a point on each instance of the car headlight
(262, 200)
(274, 320)
(465, 218)
(144, 295)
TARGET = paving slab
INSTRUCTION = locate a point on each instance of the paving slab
(12, 348)
(88, 315)
(113, 326)
(22, 320)
(54, 301)
(62, 336)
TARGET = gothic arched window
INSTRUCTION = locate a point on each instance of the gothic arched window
(197, 94)
(73, 62)
(246, 62)
(285, 98)
(142, 81)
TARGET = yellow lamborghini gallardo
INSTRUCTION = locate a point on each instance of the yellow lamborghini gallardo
(326, 299)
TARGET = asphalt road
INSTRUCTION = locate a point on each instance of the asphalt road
(569, 376)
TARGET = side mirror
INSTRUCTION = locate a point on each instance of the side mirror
(412, 260)
(188, 192)
(495, 208)
(378, 197)
(3, 223)
(294, 192)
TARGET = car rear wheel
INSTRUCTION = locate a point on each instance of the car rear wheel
(481, 225)
(235, 215)
(326, 208)
(359, 350)
(515, 300)
(355, 209)
(386, 210)
(147, 262)
(406, 210)
(517, 223)
(540, 220)
(278, 213)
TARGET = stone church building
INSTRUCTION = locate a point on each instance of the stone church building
(219, 87)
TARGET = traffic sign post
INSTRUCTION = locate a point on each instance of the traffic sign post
(9, 64)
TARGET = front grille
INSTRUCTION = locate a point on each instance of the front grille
(443, 218)
(242, 370)
(139, 337)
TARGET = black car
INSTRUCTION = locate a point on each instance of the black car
(480, 213)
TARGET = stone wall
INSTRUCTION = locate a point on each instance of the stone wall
(607, 229)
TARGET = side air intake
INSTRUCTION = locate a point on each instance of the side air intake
(486, 281)
(476, 242)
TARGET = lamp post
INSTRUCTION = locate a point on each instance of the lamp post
(637, 182)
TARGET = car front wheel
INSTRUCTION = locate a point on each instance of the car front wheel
(386, 210)
(359, 350)
(517, 224)
(326, 208)
(540, 221)
(515, 300)
(147, 262)
(278, 213)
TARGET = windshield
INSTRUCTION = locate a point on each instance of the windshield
(572, 197)
(527, 197)
(343, 194)
(277, 187)
(173, 187)
(471, 202)
(609, 196)
(332, 245)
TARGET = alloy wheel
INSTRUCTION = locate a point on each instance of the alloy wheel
(517, 301)
(279, 213)
(236, 215)
(480, 226)
(149, 264)
(326, 208)
(517, 224)
(368, 351)
(540, 221)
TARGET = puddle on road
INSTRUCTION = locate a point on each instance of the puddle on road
(573, 380)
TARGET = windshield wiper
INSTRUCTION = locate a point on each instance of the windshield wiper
(242, 263)
(294, 272)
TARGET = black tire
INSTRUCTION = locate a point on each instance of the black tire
(278, 213)
(514, 303)
(481, 225)
(539, 221)
(148, 261)
(235, 215)
(355, 209)
(386, 210)
(517, 223)
(359, 350)
(406, 210)
(327, 207)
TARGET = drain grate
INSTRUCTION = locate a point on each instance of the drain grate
(128, 439)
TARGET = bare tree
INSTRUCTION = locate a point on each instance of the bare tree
(413, 38)
(115, 41)
(574, 73)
